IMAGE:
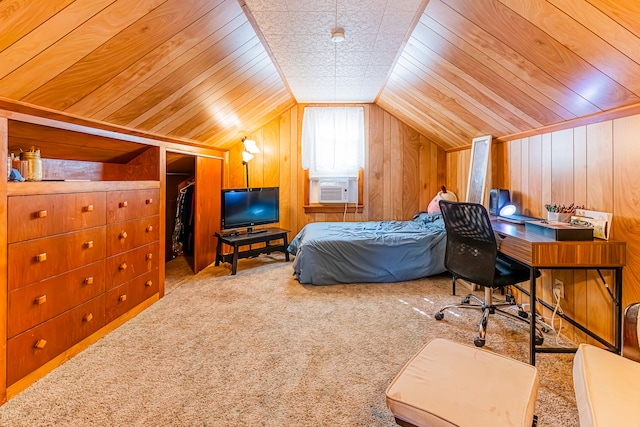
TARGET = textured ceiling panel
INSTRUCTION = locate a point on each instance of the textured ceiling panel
(297, 31)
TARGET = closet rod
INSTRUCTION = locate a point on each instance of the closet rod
(179, 174)
(174, 150)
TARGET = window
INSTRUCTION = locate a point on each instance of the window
(333, 152)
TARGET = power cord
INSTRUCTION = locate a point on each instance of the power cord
(344, 214)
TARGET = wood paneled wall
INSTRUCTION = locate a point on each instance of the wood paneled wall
(594, 165)
(403, 170)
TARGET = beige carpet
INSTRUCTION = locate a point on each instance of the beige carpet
(259, 349)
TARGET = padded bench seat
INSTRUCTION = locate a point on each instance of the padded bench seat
(451, 384)
(607, 387)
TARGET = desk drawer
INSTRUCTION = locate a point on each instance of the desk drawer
(131, 204)
(127, 265)
(128, 235)
(125, 297)
(35, 347)
(38, 302)
(30, 217)
(35, 260)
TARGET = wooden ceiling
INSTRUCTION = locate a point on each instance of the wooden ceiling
(197, 70)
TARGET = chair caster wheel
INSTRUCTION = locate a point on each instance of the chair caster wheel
(546, 330)
(479, 342)
(439, 315)
(539, 340)
(466, 300)
(523, 314)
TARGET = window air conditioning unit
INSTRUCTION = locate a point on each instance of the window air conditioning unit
(333, 192)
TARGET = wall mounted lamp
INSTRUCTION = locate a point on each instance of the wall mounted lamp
(250, 148)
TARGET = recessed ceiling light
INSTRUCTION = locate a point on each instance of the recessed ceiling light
(337, 36)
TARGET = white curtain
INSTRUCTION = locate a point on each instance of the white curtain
(333, 141)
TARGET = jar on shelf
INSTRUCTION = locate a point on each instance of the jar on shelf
(34, 164)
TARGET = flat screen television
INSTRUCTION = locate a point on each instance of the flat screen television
(246, 207)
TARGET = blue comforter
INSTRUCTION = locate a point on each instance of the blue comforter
(375, 251)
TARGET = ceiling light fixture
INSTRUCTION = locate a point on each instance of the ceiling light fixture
(337, 35)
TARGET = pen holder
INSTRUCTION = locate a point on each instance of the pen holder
(558, 216)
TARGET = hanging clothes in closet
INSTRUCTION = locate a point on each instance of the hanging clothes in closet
(182, 238)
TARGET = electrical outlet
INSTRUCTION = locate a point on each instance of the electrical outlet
(558, 288)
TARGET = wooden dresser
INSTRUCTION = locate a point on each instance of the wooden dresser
(77, 261)
(83, 250)
(83, 246)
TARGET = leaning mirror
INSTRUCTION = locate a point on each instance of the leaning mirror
(478, 169)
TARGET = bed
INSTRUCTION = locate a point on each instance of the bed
(374, 251)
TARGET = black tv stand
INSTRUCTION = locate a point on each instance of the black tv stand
(263, 235)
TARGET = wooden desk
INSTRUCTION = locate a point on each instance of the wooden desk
(539, 252)
(264, 235)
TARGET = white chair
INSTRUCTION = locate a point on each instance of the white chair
(607, 385)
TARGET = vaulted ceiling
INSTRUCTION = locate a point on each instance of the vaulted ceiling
(206, 71)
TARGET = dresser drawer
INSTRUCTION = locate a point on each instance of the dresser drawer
(40, 301)
(128, 235)
(35, 347)
(35, 260)
(125, 297)
(127, 265)
(131, 204)
(30, 217)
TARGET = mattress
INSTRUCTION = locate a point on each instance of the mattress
(369, 252)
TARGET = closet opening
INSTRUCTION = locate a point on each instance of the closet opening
(181, 182)
(193, 186)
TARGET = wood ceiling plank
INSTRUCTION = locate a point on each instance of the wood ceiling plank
(167, 73)
(467, 84)
(604, 26)
(74, 46)
(399, 102)
(446, 140)
(501, 84)
(502, 60)
(452, 104)
(120, 52)
(268, 97)
(187, 75)
(270, 109)
(449, 79)
(544, 51)
(159, 62)
(581, 40)
(181, 105)
(225, 112)
(625, 12)
(22, 16)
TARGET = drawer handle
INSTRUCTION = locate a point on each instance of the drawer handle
(123, 204)
(122, 298)
(149, 228)
(123, 235)
(42, 214)
(148, 283)
(88, 208)
(88, 317)
(89, 244)
(41, 299)
(123, 266)
(149, 256)
(148, 201)
(41, 257)
(88, 280)
(40, 343)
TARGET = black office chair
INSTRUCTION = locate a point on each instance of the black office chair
(472, 254)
